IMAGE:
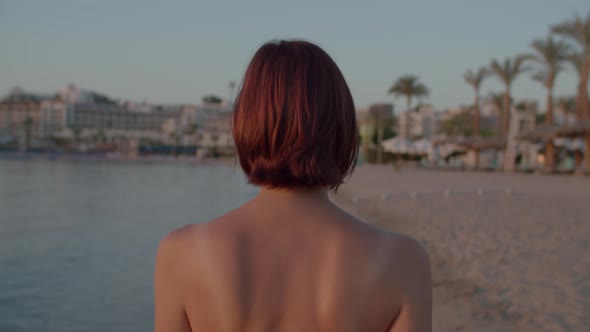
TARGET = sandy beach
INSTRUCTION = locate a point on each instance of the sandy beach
(509, 252)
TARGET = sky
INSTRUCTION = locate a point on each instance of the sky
(178, 51)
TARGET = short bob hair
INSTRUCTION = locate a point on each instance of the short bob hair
(294, 123)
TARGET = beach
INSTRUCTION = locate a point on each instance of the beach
(509, 252)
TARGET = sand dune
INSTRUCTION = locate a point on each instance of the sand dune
(510, 252)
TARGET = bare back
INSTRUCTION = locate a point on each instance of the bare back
(291, 264)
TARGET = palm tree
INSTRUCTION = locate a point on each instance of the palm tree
(550, 54)
(232, 87)
(507, 72)
(578, 30)
(408, 86)
(567, 106)
(497, 100)
(475, 79)
(577, 62)
(582, 102)
(380, 118)
(212, 99)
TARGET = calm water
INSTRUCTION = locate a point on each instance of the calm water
(78, 239)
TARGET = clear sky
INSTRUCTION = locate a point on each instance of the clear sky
(177, 51)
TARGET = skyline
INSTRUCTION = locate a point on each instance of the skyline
(178, 53)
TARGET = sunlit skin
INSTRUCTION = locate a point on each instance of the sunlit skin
(290, 260)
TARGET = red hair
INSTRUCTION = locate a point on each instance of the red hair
(294, 123)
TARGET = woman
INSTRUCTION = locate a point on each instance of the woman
(289, 259)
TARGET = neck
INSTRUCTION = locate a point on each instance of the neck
(294, 195)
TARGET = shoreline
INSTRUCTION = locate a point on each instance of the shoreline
(115, 158)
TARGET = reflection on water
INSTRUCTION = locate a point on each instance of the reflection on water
(78, 239)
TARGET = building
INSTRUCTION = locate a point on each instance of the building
(369, 118)
(81, 115)
(207, 125)
(53, 118)
(462, 118)
(72, 94)
(110, 122)
(421, 123)
(20, 115)
(201, 114)
(215, 131)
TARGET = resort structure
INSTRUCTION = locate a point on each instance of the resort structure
(76, 115)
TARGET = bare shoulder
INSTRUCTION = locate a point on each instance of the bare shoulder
(179, 238)
(410, 270)
(400, 249)
(404, 259)
(408, 259)
(190, 235)
(173, 248)
(410, 253)
(189, 240)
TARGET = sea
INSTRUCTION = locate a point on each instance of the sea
(78, 237)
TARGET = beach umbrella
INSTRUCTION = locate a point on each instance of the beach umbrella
(484, 143)
(569, 144)
(449, 149)
(423, 146)
(539, 134)
(399, 145)
(578, 129)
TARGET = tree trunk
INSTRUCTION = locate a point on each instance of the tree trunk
(580, 114)
(365, 153)
(550, 155)
(583, 93)
(578, 158)
(380, 139)
(476, 115)
(587, 152)
(406, 129)
(549, 118)
(549, 150)
(506, 111)
(476, 126)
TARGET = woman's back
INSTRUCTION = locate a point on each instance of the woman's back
(289, 262)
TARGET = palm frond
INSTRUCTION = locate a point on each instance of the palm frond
(509, 69)
(567, 104)
(500, 71)
(550, 52)
(577, 29)
(475, 78)
(408, 85)
(540, 76)
(497, 100)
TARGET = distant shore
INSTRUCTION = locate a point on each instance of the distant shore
(509, 252)
(113, 157)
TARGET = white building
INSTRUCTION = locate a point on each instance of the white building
(561, 116)
(421, 123)
(78, 114)
(53, 118)
(113, 121)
